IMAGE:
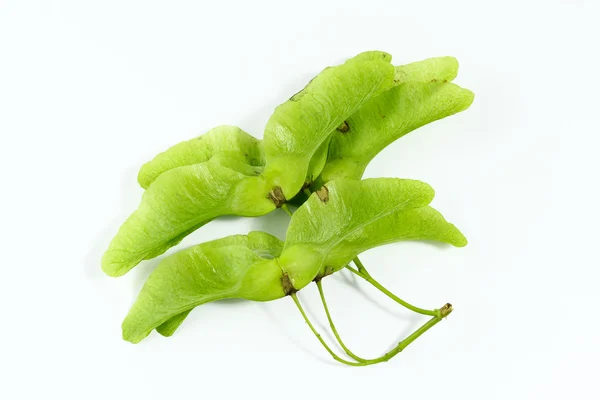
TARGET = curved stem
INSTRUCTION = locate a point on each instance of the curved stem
(360, 266)
(312, 328)
(362, 272)
(444, 311)
(332, 325)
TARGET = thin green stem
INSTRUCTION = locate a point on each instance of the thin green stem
(360, 265)
(312, 328)
(285, 208)
(447, 309)
(444, 311)
(363, 273)
(332, 325)
(307, 192)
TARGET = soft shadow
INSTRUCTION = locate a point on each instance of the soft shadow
(275, 320)
(343, 276)
(275, 223)
(348, 278)
(129, 202)
(92, 265)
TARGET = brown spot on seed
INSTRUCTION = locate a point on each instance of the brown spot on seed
(277, 197)
(344, 127)
(286, 284)
(323, 194)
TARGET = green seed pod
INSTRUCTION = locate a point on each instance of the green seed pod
(203, 273)
(299, 127)
(434, 70)
(343, 219)
(225, 140)
(178, 202)
(319, 141)
(423, 94)
(347, 217)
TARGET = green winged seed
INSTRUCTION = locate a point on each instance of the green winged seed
(319, 158)
(343, 219)
(432, 70)
(180, 201)
(347, 217)
(422, 96)
(264, 245)
(330, 130)
(300, 126)
(438, 69)
(200, 274)
(225, 140)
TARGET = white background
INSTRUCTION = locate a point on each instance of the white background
(89, 90)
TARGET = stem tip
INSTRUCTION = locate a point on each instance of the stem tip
(446, 310)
